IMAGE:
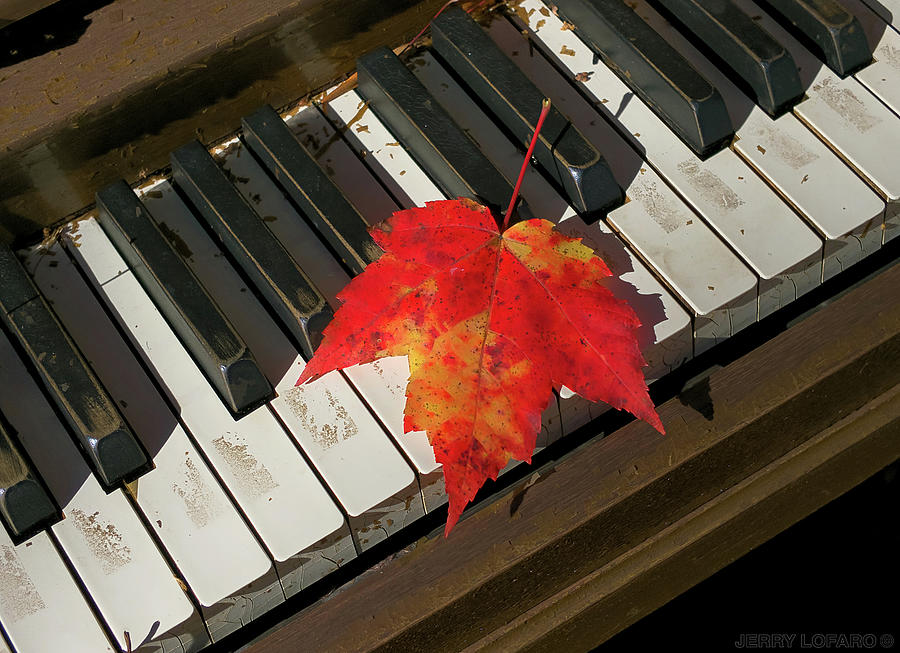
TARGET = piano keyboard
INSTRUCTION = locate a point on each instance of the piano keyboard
(196, 300)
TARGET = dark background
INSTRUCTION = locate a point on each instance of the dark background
(837, 571)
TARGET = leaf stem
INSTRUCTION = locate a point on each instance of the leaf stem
(545, 109)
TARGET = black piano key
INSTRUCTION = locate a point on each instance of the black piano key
(216, 347)
(25, 503)
(561, 149)
(279, 278)
(737, 42)
(312, 190)
(437, 143)
(826, 28)
(677, 93)
(112, 450)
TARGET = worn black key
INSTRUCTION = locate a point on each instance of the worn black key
(649, 66)
(264, 260)
(216, 347)
(561, 149)
(827, 29)
(736, 42)
(437, 143)
(109, 445)
(312, 190)
(25, 503)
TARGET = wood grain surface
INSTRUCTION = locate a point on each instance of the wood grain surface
(143, 78)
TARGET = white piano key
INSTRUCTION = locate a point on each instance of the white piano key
(409, 183)
(838, 203)
(383, 384)
(127, 578)
(848, 118)
(4, 647)
(882, 76)
(353, 454)
(797, 164)
(888, 10)
(384, 390)
(271, 482)
(736, 203)
(41, 607)
(717, 287)
(381, 151)
(218, 557)
(665, 317)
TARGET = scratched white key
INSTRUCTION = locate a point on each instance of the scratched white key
(217, 555)
(127, 578)
(848, 118)
(888, 10)
(270, 481)
(882, 76)
(41, 607)
(409, 183)
(718, 288)
(796, 163)
(773, 241)
(664, 316)
(384, 389)
(343, 441)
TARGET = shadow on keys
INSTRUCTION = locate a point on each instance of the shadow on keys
(37, 416)
(612, 251)
(752, 57)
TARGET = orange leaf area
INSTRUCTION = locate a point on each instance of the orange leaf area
(491, 323)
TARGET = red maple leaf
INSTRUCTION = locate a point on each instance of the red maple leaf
(491, 323)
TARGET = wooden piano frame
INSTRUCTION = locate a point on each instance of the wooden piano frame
(575, 550)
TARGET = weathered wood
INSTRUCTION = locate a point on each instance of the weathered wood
(145, 78)
(580, 550)
(709, 538)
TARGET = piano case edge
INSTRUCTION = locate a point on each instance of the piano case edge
(581, 549)
(112, 99)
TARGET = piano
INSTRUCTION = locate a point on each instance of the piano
(165, 487)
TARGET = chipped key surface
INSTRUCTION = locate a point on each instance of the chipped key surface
(362, 469)
(41, 607)
(102, 536)
(267, 447)
(791, 159)
(216, 554)
(843, 113)
(18, 596)
(724, 190)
